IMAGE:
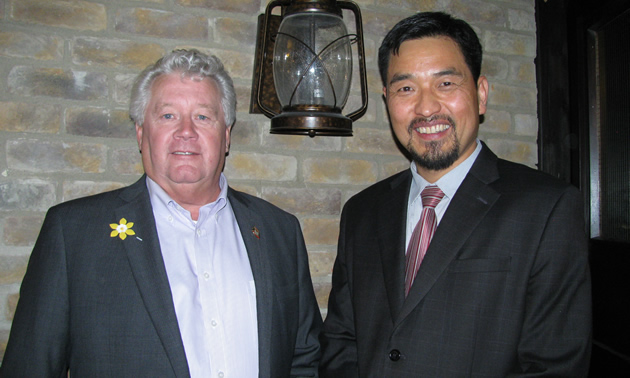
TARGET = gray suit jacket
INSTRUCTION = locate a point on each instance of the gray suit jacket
(503, 290)
(102, 306)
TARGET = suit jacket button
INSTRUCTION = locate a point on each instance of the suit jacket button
(394, 355)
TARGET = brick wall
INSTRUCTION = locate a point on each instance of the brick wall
(65, 72)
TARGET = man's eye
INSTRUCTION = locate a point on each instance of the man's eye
(404, 89)
(202, 117)
(168, 116)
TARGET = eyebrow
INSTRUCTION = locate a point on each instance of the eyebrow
(399, 77)
(451, 71)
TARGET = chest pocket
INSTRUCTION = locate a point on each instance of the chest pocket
(480, 265)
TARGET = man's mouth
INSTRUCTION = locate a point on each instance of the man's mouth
(434, 129)
(432, 125)
(184, 153)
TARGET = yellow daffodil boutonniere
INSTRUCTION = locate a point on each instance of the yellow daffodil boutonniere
(121, 230)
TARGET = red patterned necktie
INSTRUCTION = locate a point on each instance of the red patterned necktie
(422, 234)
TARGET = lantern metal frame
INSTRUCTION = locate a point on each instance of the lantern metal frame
(308, 120)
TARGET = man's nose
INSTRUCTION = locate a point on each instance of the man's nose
(186, 128)
(427, 104)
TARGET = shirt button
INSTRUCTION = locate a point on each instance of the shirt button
(394, 355)
(214, 323)
(170, 218)
(206, 275)
(198, 232)
(221, 375)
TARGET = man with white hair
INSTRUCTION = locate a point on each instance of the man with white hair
(178, 274)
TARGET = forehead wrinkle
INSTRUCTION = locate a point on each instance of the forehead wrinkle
(203, 105)
(451, 71)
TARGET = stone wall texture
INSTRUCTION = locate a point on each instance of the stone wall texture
(65, 72)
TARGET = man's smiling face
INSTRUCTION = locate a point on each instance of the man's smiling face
(184, 138)
(434, 103)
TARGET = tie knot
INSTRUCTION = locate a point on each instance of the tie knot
(431, 196)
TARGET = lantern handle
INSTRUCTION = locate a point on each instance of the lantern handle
(351, 6)
(269, 112)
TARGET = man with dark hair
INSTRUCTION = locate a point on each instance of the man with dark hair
(465, 264)
(177, 275)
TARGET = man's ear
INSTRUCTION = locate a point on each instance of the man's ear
(228, 134)
(139, 130)
(482, 94)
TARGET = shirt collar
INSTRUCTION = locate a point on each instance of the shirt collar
(161, 200)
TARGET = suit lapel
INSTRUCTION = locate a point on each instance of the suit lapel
(145, 258)
(472, 201)
(391, 236)
(252, 229)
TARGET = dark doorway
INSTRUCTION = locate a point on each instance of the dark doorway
(584, 112)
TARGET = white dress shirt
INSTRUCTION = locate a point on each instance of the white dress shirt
(449, 183)
(212, 285)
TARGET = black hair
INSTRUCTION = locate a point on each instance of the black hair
(431, 24)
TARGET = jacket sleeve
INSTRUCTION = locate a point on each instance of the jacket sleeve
(556, 333)
(307, 350)
(339, 345)
(38, 343)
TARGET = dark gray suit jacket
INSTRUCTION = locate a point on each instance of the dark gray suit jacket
(503, 290)
(102, 306)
